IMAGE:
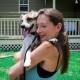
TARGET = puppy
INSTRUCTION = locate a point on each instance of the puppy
(28, 24)
(28, 21)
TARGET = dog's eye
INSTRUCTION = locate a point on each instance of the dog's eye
(29, 19)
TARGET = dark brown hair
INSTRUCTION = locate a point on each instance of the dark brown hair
(56, 17)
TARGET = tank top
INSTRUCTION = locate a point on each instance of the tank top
(32, 74)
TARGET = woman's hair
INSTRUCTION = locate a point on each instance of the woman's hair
(56, 17)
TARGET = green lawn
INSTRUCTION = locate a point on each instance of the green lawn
(72, 74)
(74, 68)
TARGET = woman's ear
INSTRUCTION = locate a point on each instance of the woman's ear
(59, 26)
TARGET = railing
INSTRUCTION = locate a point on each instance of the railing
(9, 27)
(72, 26)
(11, 34)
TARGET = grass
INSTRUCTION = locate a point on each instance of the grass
(72, 74)
(5, 63)
(74, 69)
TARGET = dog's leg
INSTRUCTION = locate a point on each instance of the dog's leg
(27, 62)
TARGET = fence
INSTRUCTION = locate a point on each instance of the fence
(9, 27)
(72, 25)
(10, 30)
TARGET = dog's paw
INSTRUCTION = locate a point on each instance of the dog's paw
(54, 40)
(27, 63)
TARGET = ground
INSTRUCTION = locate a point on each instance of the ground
(7, 60)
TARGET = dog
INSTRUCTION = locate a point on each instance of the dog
(28, 25)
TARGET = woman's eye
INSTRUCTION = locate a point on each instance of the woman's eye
(44, 26)
(40, 26)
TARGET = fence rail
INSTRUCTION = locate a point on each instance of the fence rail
(9, 27)
(11, 34)
(72, 26)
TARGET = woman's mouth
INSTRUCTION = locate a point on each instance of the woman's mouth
(42, 37)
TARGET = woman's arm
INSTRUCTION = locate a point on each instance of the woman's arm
(38, 55)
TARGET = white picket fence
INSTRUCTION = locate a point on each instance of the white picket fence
(10, 30)
(10, 27)
(72, 25)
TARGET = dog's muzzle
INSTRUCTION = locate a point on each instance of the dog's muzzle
(22, 26)
(27, 28)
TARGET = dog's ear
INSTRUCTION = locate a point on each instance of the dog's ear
(21, 16)
(32, 11)
(34, 14)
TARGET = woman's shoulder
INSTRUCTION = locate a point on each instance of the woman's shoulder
(49, 48)
(47, 44)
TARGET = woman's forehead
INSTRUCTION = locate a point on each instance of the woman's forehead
(42, 18)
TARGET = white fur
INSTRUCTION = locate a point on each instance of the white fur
(24, 21)
(24, 17)
(54, 40)
(29, 38)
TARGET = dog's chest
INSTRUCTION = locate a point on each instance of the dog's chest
(29, 40)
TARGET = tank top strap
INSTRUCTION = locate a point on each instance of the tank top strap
(54, 41)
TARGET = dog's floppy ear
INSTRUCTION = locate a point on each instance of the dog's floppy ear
(32, 11)
(34, 14)
(21, 16)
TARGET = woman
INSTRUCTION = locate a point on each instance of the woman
(48, 57)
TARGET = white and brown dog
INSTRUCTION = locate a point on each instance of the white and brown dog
(28, 24)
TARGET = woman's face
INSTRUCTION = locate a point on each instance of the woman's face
(45, 28)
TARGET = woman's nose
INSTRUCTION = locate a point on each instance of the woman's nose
(38, 30)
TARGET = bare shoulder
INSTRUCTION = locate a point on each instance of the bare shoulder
(43, 49)
(48, 48)
(46, 44)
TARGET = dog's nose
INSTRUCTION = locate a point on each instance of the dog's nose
(22, 26)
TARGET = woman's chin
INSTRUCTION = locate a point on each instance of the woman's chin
(42, 40)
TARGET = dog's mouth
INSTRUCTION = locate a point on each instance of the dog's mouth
(25, 31)
(27, 27)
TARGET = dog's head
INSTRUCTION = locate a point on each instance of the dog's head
(28, 20)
